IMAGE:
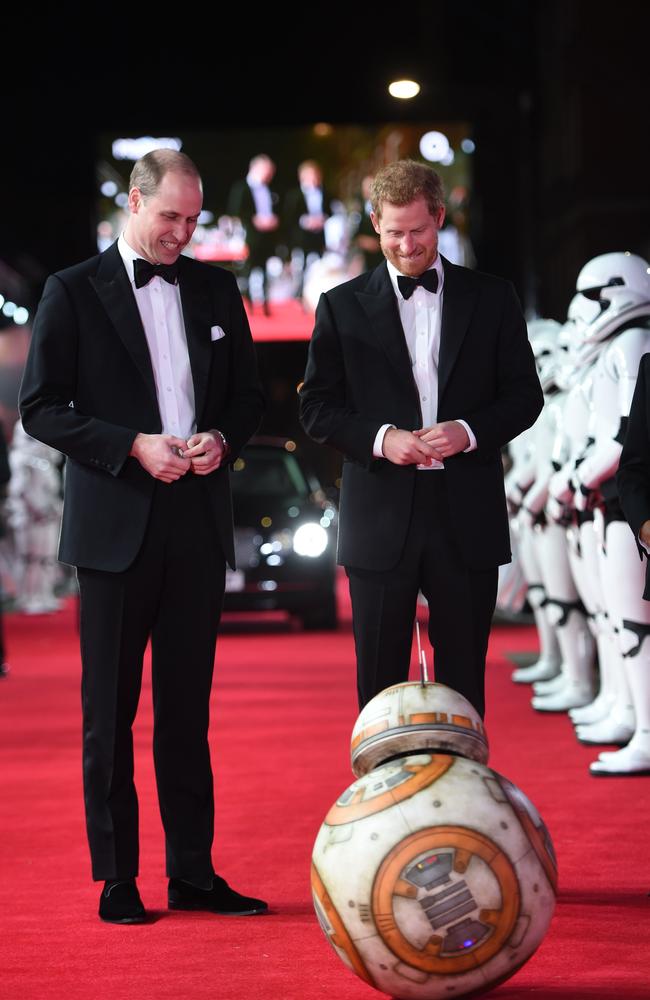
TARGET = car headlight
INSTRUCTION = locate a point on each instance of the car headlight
(310, 540)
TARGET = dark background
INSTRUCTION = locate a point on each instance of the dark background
(557, 93)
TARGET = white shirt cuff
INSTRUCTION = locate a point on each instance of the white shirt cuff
(377, 448)
(470, 434)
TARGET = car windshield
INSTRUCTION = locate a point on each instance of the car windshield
(269, 472)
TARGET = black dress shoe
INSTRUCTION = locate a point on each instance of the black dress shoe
(218, 899)
(120, 903)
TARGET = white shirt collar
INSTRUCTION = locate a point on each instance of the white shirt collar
(128, 255)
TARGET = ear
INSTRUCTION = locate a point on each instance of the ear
(441, 217)
(135, 200)
(375, 222)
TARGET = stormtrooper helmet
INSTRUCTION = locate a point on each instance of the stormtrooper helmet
(543, 335)
(571, 339)
(620, 285)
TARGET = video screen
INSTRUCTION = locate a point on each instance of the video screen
(287, 209)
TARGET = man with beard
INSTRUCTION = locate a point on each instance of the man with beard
(419, 371)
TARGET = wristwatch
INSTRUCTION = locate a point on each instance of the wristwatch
(226, 446)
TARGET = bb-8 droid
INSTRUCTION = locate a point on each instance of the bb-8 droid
(432, 875)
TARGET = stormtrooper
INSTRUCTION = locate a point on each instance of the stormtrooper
(574, 684)
(542, 334)
(34, 507)
(620, 284)
(576, 376)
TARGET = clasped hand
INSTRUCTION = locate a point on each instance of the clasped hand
(167, 457)
(422, 447)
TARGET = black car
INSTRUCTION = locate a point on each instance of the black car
(285, 536)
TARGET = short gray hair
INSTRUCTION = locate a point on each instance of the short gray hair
(150, 169)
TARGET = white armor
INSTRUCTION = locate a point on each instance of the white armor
(523, 450)
(583, 540)
(574, 685)
(620, 283)
(34, 507)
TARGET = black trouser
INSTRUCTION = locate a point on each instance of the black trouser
(173, 593)
(461, 604)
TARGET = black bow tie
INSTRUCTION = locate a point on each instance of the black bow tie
(428, 280)
(144, 271)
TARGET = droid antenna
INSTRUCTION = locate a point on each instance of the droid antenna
(422, 657)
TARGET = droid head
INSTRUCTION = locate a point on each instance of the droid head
(414, 717)
(620, 285)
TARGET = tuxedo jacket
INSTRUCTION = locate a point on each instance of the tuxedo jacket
(88, 389)
(295, 206)
(241, 204)
(359, 377)
(633, 476)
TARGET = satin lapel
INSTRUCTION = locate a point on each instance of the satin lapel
(114, 290)
(459, 299)
(379, 304)
(197, 313)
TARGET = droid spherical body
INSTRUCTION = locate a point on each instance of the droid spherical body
(433, 876)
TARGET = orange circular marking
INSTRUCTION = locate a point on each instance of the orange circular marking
(539, 837)
(340, 937)
(365, 802)
(465, 844)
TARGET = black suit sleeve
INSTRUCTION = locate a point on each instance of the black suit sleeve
(49, 388)
(518, 398)
(242, 413)
(633, 477)
(325, 412)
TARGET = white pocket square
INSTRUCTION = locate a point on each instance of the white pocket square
(216, 333)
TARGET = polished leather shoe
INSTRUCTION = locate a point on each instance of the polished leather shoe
(120, 903)
(220, 898)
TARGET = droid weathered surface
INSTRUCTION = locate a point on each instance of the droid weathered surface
(410, 717)
(433, 876)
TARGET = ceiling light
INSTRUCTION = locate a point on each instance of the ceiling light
(404, 89)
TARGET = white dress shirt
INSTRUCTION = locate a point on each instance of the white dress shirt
(261, 196)
(159, 304)
(421, 317)
(313, 199)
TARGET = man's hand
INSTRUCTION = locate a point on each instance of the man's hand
(206, 452)
(448, 438)
(405, 448)
(265, 223)
(644, 533)
(159, 455)
(312, 223)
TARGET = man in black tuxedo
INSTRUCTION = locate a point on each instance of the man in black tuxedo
(254, 203)
(365, 239)
(419, 371)
(142, 372)
(306, 210)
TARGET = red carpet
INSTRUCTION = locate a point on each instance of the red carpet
(287, 321)
(283, 710)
